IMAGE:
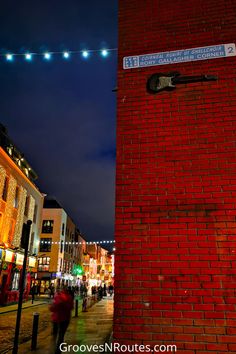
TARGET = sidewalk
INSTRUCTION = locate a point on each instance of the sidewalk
(90, 328)
(25, 305)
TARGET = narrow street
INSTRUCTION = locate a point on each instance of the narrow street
(8, 322)
(91, 327)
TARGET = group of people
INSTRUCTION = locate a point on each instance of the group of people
(102, 291)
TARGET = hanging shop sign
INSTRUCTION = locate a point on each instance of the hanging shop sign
(19, 259)
(180, 56)
(9, 255)
(32, 262)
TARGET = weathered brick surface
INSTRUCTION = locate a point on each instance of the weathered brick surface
(176, 182)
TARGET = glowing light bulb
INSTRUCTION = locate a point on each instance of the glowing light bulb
(28, 56)
(66, 55)
(9, 57)
(104, 52)
(47, 56)
(85, 54)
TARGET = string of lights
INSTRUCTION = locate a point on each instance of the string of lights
(48, 55)
(76, 243)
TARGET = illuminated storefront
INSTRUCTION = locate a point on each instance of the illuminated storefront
(20, 201)
(10, 274)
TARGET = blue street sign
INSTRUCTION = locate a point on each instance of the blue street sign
(180, 56)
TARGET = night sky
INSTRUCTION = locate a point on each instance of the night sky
(61, 114)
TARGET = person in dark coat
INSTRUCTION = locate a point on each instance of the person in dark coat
(100, 292)
(104, 290)
(33, 292)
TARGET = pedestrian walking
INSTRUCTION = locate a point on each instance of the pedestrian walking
(71, 291)
(61, 313)
(111, 289)
(33, 291)
(51, 291)
(100, 293)
(93, 290)
(85, 299)
(104, 290)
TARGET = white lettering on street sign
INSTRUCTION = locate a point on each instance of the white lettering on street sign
(180, 56)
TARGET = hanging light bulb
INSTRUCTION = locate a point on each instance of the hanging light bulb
(9, 57)
(66, 55)
(47, 56)
(85, 54)
(28, 56)
(104, 53)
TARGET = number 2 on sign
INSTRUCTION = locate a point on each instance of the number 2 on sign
(230, 49)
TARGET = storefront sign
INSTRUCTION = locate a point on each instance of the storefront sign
(32, 262)
(19, 259)
(44, 275)
(9, 256)
(180, 56)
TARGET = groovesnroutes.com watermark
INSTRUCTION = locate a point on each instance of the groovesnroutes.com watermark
(118, 348)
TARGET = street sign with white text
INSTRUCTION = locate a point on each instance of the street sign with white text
(180, 56)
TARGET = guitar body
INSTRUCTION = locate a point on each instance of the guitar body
(159, 82)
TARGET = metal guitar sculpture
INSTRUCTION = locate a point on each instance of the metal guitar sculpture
(160, 82)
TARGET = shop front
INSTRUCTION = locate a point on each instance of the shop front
(43, 282)
(10, 275)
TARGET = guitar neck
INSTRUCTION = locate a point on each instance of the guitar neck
(189, 79)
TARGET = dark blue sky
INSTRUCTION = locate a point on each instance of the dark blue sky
(61, 114)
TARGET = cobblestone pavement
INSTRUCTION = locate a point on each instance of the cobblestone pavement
(90, 328)
(8, 322)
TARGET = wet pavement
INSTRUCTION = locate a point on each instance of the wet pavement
(93, 327)
(25, 305)
(8, 322)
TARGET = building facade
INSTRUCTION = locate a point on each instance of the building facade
(175, 269)
(98, 269)
(20, 201)
(61, 249)
(52, 245)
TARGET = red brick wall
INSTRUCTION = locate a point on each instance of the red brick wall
(176, 182)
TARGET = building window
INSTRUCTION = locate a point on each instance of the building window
(5, 189)
(26, 206)
(61, 247)
(15, 281)
(11, 230)
(45, 245)
(47, 227)
(31, 242)
(63, 229)
(43, 264)
(35, 213)
(16, 199)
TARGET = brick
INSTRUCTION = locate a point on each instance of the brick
(176, 181)
(217, 347)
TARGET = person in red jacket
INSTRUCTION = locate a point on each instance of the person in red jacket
(61, 313)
